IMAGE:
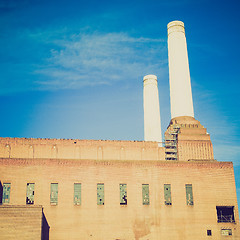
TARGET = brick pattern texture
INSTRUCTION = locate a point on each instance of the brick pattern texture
(212, 182)
(20, 222)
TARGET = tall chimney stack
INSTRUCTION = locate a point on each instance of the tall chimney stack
(152, 124)
(180, 84)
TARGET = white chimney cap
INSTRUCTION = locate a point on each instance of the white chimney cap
(154, 77)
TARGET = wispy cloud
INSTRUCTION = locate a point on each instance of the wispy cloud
(94, 59)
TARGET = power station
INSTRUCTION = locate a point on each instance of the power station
(123, 190)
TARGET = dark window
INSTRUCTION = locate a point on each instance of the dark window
(145, 194)
(30, 193)
(209, 232)
(123, 194)
(100, 194)
(167, 194)
(225, 214)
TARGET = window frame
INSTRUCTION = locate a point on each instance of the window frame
(145, 194)
(226, 230)
(209, 232)
(28, 200)
(189, 194)
(77, 195)
(54, 197)
(5, 191)
(123, 193)
(229, 218)
(100, 194)
(167, 193)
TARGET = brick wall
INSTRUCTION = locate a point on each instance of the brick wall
(213, 185)
(21, 222)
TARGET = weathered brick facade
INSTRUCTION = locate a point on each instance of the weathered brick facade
(90, 162)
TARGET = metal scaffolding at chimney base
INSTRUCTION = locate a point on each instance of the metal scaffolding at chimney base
(171, 139)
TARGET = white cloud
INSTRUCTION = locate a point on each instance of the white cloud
(96, 59)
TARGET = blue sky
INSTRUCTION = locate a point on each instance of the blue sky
(74, 68)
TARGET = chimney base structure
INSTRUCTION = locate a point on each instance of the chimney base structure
(187, 140)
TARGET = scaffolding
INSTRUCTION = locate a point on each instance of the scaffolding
(171, 139)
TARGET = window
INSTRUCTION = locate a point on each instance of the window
(225, 214)
(54, 194)
(6, 192)
(167, 194)
(145, 194)
(100, 194)
(226, 232)
(30, 193)
(123, 194)
(209, 232)
(77, 194)
(189, 194)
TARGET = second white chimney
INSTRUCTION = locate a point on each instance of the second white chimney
(179, 76)
(152, 124)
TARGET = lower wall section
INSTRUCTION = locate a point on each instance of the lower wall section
(182, 198)
(23, 222)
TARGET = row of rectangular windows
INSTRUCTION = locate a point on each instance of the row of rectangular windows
(100, 194)
(224, 213)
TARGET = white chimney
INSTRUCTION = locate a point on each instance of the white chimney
(152, 124)
(180, 84)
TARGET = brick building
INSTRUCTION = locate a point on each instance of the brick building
(86, 189)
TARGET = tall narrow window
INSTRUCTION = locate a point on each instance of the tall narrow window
(30, 193)
(123, 194)
(145, 194)
(54, 194)
(189, 194)
(6, 192)
(167, 194)
(100, 194)
(77, 194)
